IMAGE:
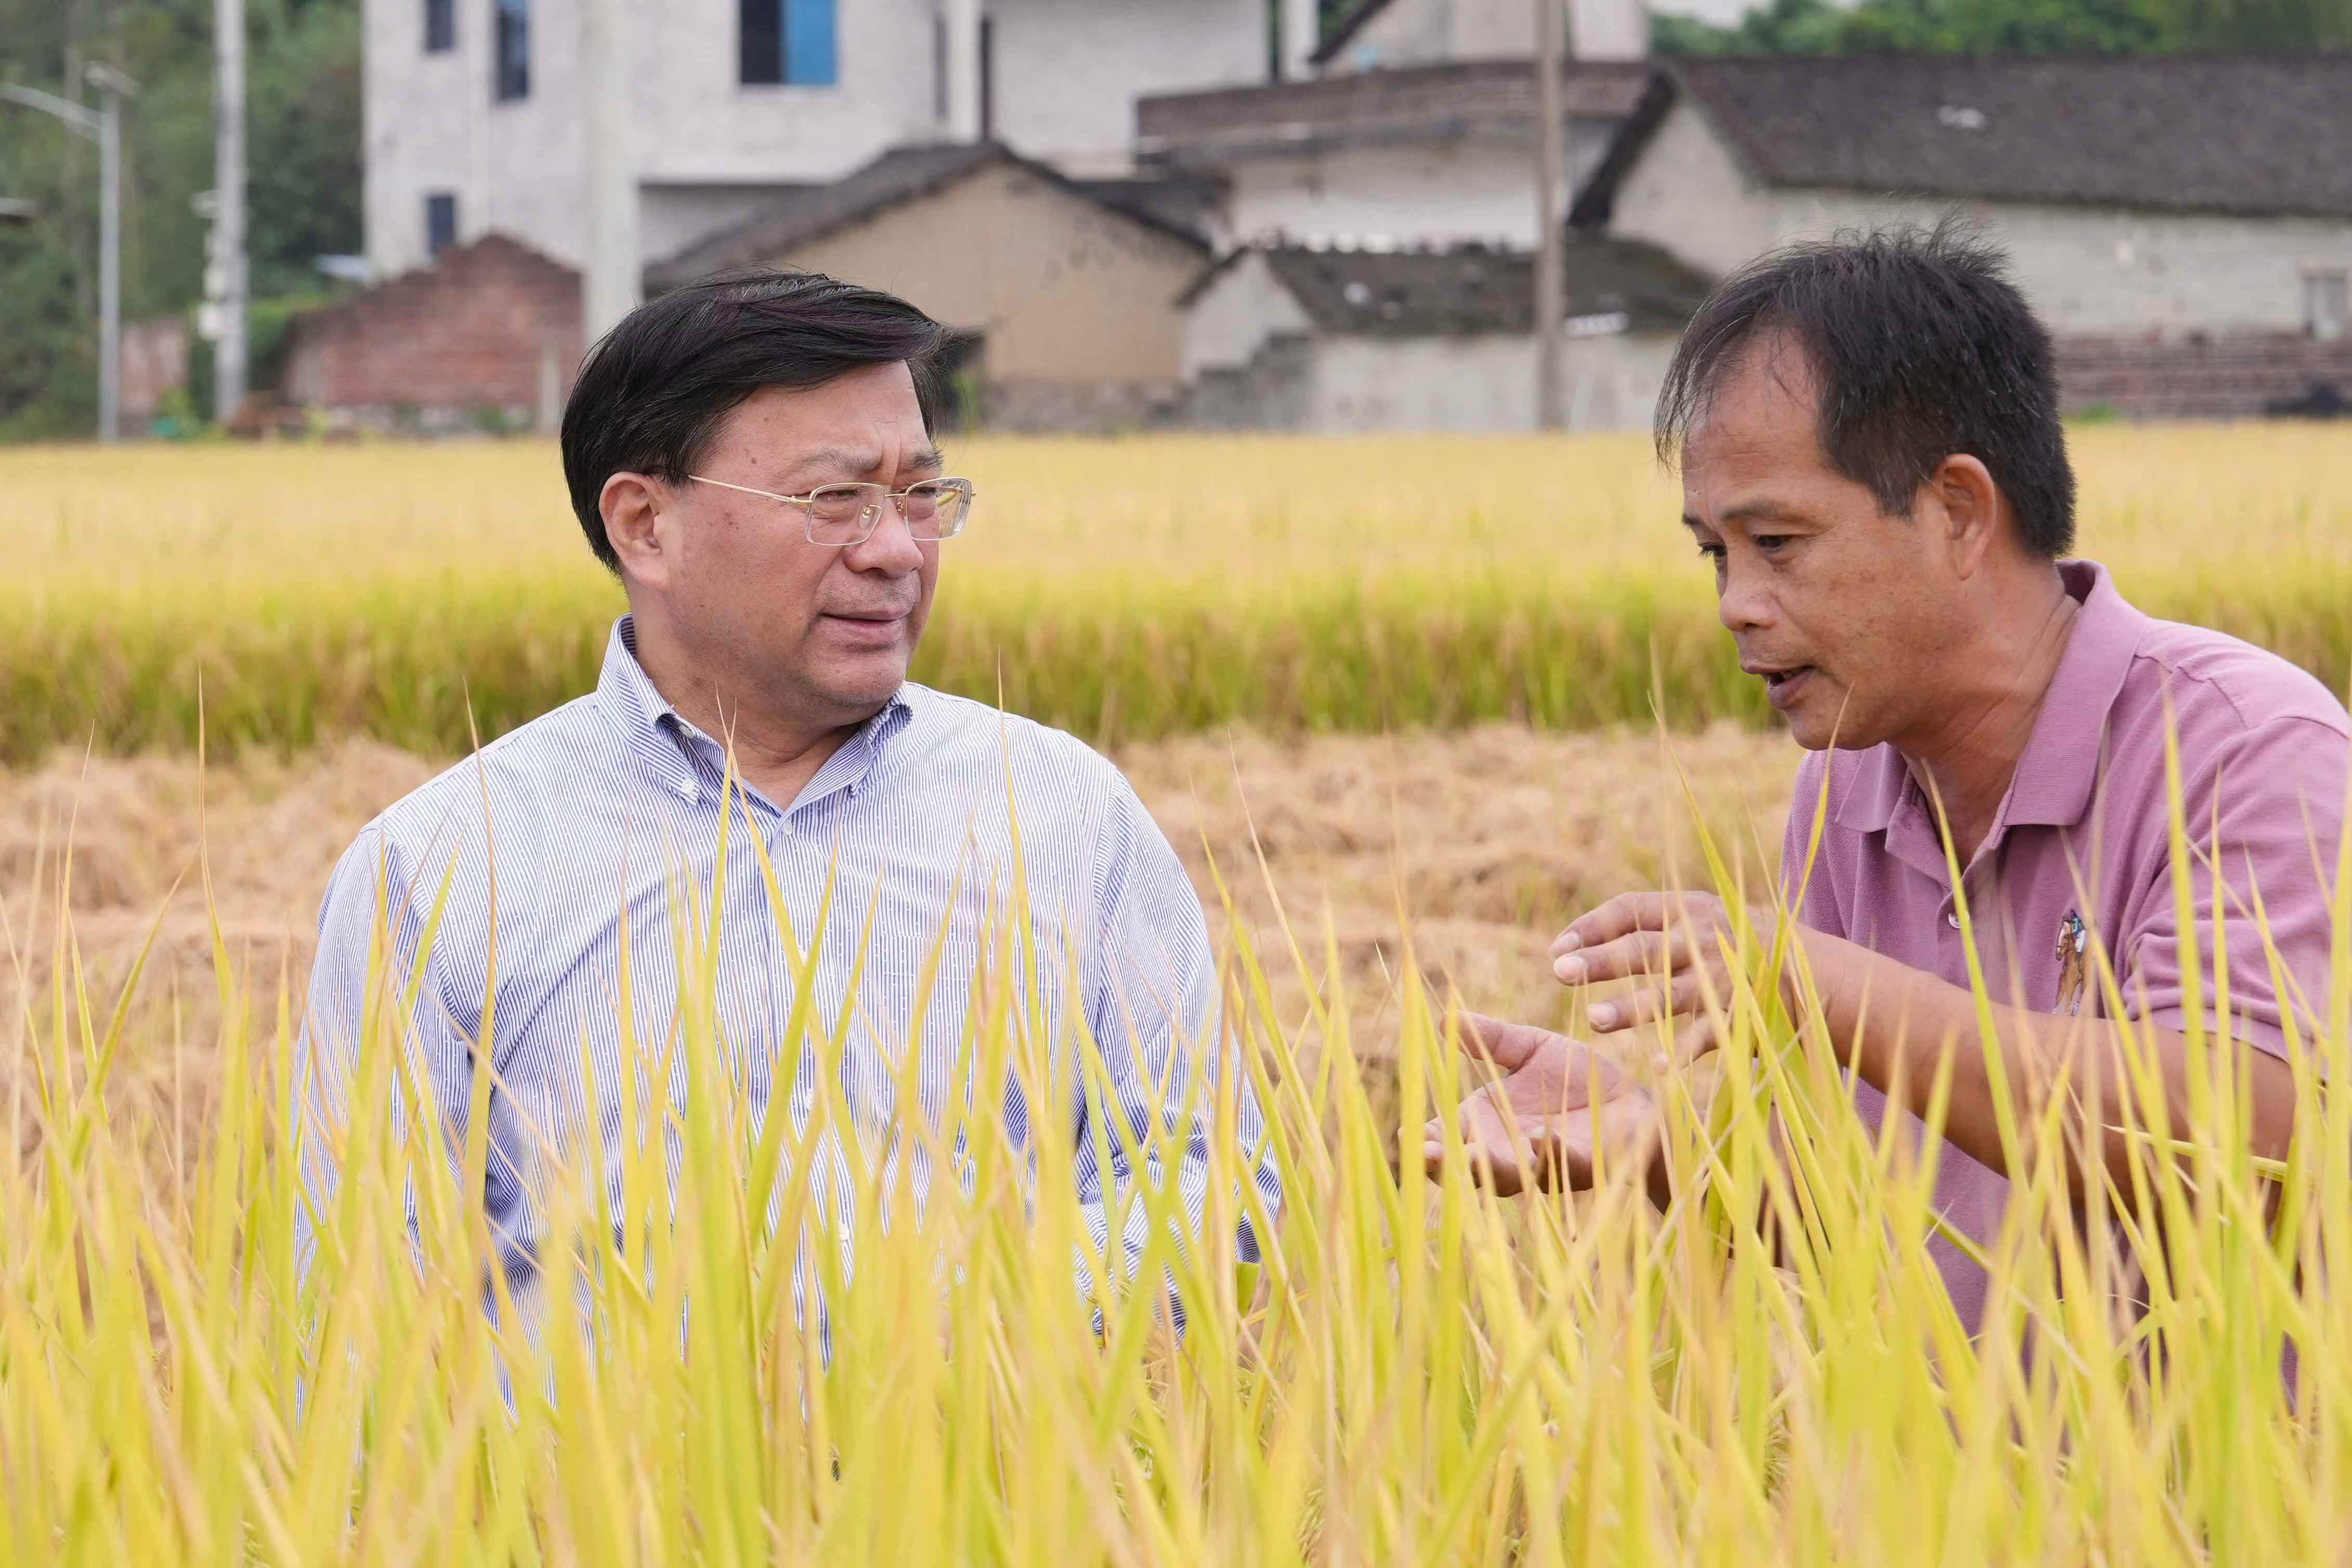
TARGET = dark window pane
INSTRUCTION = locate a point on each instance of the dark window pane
(809, 53)
(513, 48)
(440, 27)
(940, 69)
(987, 79)
(440, 222)
(761, 25)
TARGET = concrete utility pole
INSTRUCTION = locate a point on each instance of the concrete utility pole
(103, 126)
(113, 84)
(1551, 242)
(225, 276)
(962, 66)
(1302, 32)
(615, 281)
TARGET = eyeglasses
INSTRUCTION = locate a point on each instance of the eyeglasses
(846, 514)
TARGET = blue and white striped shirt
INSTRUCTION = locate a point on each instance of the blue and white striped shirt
(612, 804)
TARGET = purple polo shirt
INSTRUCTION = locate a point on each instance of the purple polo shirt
(2083, 836)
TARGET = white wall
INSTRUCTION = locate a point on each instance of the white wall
(2088, 270)
(1482, 190)
(700, 125)
(520, 167)
(1067, 74)
(430, 125)
(1364, 384)
(1722, 13)
(1422, 32)
(1229, 321)
(669, 216)
(1480, 384)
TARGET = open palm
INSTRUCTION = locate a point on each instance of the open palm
(1556, 1108)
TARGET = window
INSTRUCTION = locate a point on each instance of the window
(440, 222)
(787, 42)
(940, 69)
(511, 45)
(2328, 303)
(988, 78)
(759, 34)
(440, 27)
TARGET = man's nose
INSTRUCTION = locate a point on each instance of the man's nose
(1743, 604)
(890, 549)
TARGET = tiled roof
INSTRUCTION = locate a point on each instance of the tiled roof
(1470, 289)
(1479, 100)
(901, 174)
(2258, 135)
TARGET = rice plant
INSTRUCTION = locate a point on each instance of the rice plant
(1124, 589)
(1767, 1370)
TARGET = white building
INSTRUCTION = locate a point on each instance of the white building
(1348, 338)
(1433, 153)
(2182, 224)
(475, 117)
(1380, 35)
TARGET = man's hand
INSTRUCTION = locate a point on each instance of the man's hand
(1557, 1105)
(1678, 943)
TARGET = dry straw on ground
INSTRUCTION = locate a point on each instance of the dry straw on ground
(1486, 840)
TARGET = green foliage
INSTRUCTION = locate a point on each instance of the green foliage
(2023, 26)
(302, 163)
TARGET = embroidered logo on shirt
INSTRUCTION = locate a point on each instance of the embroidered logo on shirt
(2074, 962)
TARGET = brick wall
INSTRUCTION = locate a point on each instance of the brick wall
(475, 330)
(154, 363)
(2222, 377)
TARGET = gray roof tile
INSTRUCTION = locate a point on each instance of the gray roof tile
(2257, 135)
(1470, 289)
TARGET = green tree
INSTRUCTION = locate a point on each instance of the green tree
(302, 110)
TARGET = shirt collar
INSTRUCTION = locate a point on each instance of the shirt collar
(2059, 768)
(664, 741)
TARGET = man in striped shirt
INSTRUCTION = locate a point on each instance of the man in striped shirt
(750, 456)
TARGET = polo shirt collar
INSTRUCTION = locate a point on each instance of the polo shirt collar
(662, 741)
(2059, 770)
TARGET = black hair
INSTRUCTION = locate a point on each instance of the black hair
(1920, 346)
(652, 391)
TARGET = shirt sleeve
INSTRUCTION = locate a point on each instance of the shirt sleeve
(1153, 1008)
(2266, 818)
(369, 931)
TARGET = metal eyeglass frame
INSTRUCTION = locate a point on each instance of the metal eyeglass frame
(870, 514)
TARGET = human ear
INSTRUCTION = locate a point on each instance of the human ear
(631, 505)
(1969, 504)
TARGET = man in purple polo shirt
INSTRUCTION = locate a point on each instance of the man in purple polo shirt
(1873, 464)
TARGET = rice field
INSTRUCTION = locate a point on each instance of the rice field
(1766, 1371)
(1126, 590)
(1402, 705)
